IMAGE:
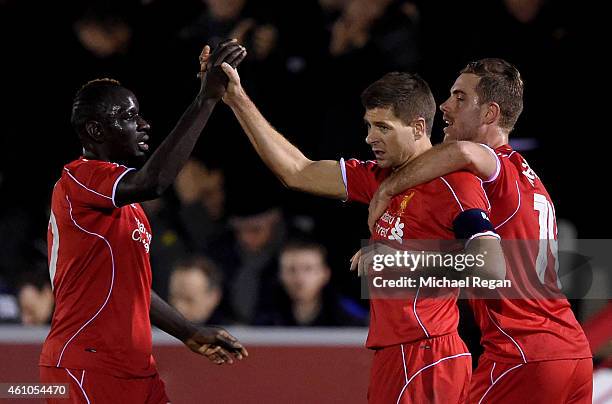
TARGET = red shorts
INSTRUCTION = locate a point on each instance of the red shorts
(558, 381)
(435, 370)
(86, 386)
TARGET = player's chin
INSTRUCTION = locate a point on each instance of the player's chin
(450, 135)
(138, 159)
(383, 163)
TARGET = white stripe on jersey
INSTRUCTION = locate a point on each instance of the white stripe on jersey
(117, 182)
(508, 335)
(426, 367)
(496, 380)
(90, 190)
(454, 194)
(54, 248)
(518, 191)
(109, 291)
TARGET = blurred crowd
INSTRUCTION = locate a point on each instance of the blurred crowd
(230, 245)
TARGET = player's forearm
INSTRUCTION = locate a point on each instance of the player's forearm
(284, 159)
(436, 162)
(493, 259)
(169, 320)
(163, 166)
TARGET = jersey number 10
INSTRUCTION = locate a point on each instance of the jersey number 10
(546, 220)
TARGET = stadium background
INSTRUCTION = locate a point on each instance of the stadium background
(306, 81)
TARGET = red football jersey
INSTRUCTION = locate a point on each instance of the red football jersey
(425, 212)
(536, 327)
(100, 273)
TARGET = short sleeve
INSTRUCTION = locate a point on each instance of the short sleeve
(497, 163)
(361, 179)
(94, 183)
(497, 184)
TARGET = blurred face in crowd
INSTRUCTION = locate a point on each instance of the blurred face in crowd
(214, 193)
(196, 183)
(36, 305)
(225, 9)
(255, 232)
(192, 295)
(462, 111)
(104, 38)
(303, 274)
(392, 141)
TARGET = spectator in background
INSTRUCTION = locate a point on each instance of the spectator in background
(232, 19)
(9, 309)
(201, 194)
(375, 37)
(249, 254)
(389, 27)
(253, 26)
(35, 298)
(196, 291)
(524, 11)
(104, 44)
(170, 243)
(306, 298)
(103, 36)
(188, 224)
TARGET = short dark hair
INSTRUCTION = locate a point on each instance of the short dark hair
(88, 102)
(304, 244)
(204, 265)
(500, 82)
(407, 94)
(38, 278)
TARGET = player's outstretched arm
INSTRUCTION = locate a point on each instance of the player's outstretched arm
(162, 167)
(214, 343)
(436, 162)
(286, 161)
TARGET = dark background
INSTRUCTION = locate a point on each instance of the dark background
(310, 95)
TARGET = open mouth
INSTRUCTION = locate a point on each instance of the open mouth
(142, 143)
(379, 154)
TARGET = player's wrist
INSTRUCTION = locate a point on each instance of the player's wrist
(187, 331)
(235, 97)
(385, 192)
(205, 99)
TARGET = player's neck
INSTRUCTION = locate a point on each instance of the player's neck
(421, 147)
(90, 155)
(494, 138)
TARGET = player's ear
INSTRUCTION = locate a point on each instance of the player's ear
(420, 129)
(94, 131)
(492, 113)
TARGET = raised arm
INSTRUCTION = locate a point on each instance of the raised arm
(286, 161)
(162, 167)
(436, 162)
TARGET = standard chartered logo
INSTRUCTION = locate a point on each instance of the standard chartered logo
(141, 234)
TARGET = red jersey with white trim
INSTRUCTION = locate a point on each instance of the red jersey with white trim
(537, 327)
(100, 273)
(425, 212)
